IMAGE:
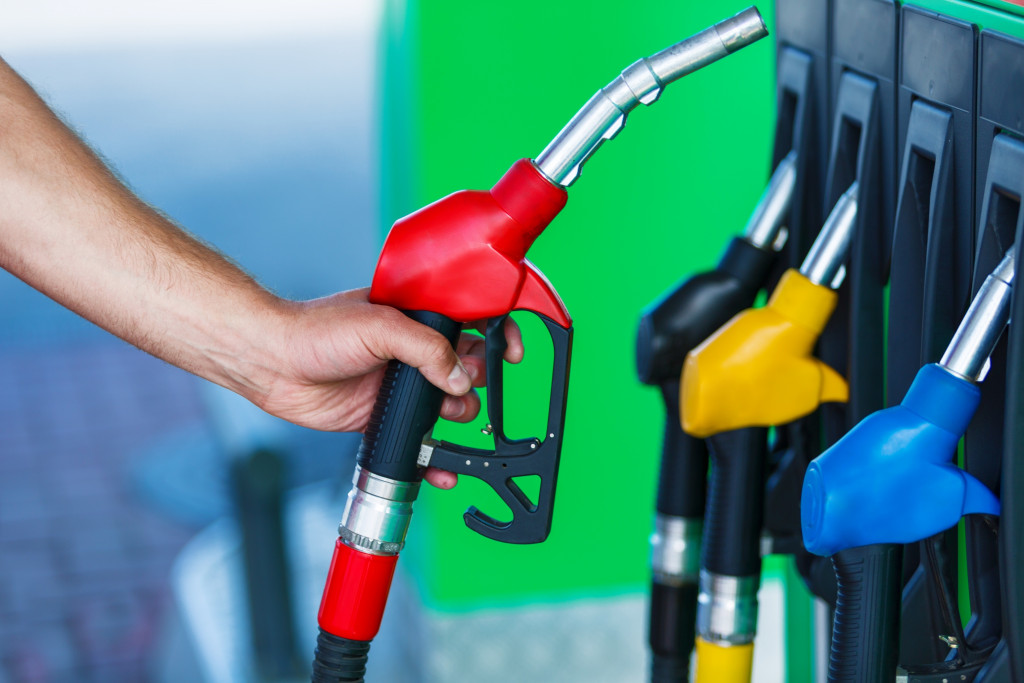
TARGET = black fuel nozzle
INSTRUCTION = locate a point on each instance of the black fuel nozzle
(669, 329)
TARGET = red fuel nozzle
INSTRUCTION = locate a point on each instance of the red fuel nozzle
(464, 256)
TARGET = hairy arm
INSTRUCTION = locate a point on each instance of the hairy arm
(70, 229)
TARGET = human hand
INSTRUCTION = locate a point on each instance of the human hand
(326, 368)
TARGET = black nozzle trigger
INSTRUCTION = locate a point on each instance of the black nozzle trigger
(513, 458)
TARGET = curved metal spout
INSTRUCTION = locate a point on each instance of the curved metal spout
(772, 212)
(976, 337)
(605, 113)
(824, 263)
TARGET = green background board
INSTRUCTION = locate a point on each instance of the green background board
(990, 14)
(467, 89)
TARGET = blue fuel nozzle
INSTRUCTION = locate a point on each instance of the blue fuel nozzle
(892, 478)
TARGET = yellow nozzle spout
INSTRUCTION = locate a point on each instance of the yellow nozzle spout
(757, 370)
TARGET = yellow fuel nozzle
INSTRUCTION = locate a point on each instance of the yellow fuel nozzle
(757, 370)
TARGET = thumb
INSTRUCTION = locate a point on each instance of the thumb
(426, 349)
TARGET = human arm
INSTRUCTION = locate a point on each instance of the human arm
(72, 230)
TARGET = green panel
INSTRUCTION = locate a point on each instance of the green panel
(1004, 5)
(470, 88)
(992, 14)
(799, 619)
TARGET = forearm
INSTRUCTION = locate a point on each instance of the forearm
(70, 229)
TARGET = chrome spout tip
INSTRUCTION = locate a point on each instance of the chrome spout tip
(741, 30)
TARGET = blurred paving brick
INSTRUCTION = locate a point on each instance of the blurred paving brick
(13, 532)
(26, 663)
(60, 653)
(27, 502)
(84, 563)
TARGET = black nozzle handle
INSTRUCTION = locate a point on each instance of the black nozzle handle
(406, 409)
(865, 632)
(735, 508)
(683, 476)
(339, 660)
(673, 630)
(682, 485)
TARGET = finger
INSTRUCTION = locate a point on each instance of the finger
(423, 348)
(477, 369)
(470, 344)
(514, 350)
(442, 479)
(461, 408)
(514, 337)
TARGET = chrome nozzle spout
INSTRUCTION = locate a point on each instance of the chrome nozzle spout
(772, 212)
(605, 113)
(824, 263)
(974, 340)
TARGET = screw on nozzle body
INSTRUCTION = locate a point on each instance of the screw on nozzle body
(974, 340)
(605, 113)
(824, 262)
(769, 218)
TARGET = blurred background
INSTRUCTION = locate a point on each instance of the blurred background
(154, 529)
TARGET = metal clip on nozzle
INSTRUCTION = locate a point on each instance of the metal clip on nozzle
(603, 116)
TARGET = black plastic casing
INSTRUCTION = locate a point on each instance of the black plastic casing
(996, 434)
(864, 58)
(932, 256)
(735, 508)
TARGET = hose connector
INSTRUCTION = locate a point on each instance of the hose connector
(727, 608)
(377, 513)
(675, 549)
(604, 115)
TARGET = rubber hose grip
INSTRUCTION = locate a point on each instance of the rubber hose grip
(406, 408)
(672, 631)
(735, 508)
(338, 660)
(683, 477)
(865, 632)
(669, 669)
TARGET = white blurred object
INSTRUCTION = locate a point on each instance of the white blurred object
(71, 24)
(240, 427)
(595, 640)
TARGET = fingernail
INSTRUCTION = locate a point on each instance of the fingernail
(459, 379)
(454, 408)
